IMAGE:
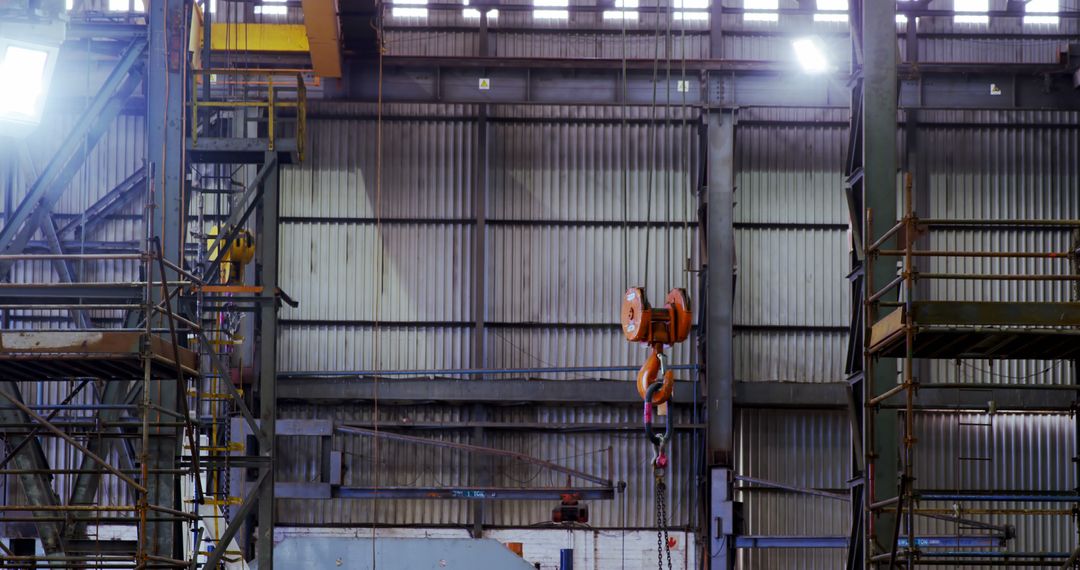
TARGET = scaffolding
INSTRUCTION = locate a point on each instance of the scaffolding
(911, 329)
(139, 373)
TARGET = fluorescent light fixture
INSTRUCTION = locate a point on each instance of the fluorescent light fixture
(810, 55)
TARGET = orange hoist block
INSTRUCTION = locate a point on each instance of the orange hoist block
(656, 327)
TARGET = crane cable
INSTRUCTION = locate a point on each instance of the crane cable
(381, 273)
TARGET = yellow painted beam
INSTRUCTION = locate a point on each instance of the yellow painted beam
(259, 37)
(324, 35)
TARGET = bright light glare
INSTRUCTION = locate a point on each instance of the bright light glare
(551, 14)
(272, 10)
(761, 5)
(409, 11)
(810, 55)
(22, 73)
(627, 10)
(474, 13)
(1042, 12)
(123, 6)
(831, 11)
(967, 11)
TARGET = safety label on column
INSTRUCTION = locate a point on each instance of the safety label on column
(485, 84)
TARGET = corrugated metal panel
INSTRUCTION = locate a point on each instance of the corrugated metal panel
(427, 170)
(792, 278)
(343, 347)
(593, 172)
(791, 248)
(1001, 173)
(515, 347)
(768, 444)
(790, 174)
(403, 272)
(622, 456)
(771, 356)
(1003, 452)
(557, 274)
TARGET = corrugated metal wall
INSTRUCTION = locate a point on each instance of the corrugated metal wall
(116, 156)
(554, 259)
(565, 228)
(590, 35)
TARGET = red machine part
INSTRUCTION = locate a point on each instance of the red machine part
(570, 510)
(656, 327)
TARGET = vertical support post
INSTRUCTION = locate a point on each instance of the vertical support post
(485, 42)
(716, 35)
(879, 103)
(267, 250)
(165, 145)
(719, 327)
(481, 472)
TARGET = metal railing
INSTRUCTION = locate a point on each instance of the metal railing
(261, 89)
(907, 231)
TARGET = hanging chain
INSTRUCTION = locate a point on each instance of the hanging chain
(662, 542)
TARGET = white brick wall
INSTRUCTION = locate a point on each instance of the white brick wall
(593, 549)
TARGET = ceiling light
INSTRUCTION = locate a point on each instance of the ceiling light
(22, 72)
(810, 55)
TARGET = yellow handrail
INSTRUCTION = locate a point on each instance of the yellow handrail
(272, 103)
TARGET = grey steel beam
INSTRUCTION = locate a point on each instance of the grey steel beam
(86, 485)
(481, 472)
(165, 111)
(30, 458)
(879, 69)
(68, 159)
(477, 494)
(64, 269)
(509, 391)
(744, 84)
(719, 327)
(112, 202)
(765, 395)
(266, 348)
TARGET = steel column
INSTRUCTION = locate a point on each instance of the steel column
(167, 56)
(31, 461)
(719, 327)
(88, 480)
(879, 106)
(266, 347)
(481, 468)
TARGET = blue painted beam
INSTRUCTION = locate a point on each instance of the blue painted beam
(472, 493)
(842, 542)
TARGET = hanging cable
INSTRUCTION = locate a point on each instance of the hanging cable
(651, 150)
(625, 159)
(380, 272)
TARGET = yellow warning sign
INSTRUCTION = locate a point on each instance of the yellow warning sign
(485, 84)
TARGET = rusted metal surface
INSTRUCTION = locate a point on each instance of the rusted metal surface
(37, 355)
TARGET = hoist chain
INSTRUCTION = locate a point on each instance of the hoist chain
(662, 542)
